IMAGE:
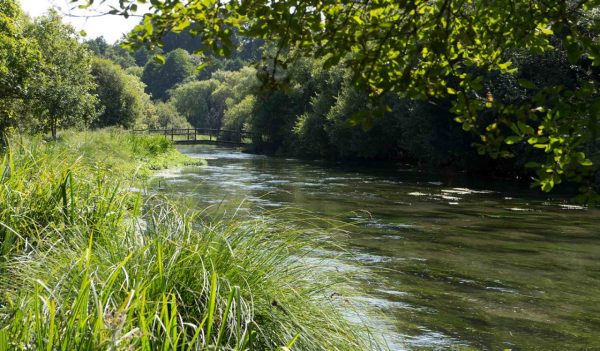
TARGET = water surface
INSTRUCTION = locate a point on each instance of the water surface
(455, 265)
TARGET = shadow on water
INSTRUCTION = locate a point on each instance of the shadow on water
(496, 267)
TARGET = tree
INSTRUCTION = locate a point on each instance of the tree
(115, 52)
(168, 117)
(97, 45)
(161, 77)
(121, 95)
(17, 52)
(19, 56)
(121, 56)
(427, 50)
(61, 96)
(195, 101)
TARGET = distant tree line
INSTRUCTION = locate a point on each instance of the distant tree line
(51, 80)
(294, 104)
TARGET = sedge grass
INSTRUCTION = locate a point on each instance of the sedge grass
(88, 265)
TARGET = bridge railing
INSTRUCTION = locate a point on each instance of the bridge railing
(202, 134)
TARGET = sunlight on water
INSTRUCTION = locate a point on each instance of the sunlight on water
(448, 264)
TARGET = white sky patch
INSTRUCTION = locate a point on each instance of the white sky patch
(110, 26)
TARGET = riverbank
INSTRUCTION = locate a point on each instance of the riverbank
(89, 263)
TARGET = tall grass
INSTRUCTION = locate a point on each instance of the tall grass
(88, 265)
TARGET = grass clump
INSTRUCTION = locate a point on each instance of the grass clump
(48, 187)
(88, 265)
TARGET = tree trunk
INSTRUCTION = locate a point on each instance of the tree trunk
(53, 129)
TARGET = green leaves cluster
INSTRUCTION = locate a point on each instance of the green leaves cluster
(224, 100)
(45, 79)
(62, 94)
(18, 57)
(50, 80)
(160, 77)
(426, 50)
(19, 53)
(122, 95)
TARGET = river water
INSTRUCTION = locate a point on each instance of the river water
(454, 265)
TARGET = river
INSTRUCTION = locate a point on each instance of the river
(458, 266)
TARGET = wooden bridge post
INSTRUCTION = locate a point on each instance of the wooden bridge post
(172, 134)
(195, 133)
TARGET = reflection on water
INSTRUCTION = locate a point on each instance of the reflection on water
(451, 264)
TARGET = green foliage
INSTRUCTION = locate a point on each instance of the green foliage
(239, 114)
(97, 45)
(121, 95)
(18, 61)
(121, 56)
(90, 265)
(194, 100)
(114, 52)
(427, 50)
(161, 77)
(61, 95)
(224, 101)
(136, 71)
(17, 54)
(167, 117)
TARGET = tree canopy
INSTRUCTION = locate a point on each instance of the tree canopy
(121, 94)
(62, 94)
(159, 78)
(424, 49)
(17, 60)
(465, 51)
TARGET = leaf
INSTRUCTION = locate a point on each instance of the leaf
(202, 66)
(526, 83)
(547, 184)
(88, 4)
(525, 128)
(331, 61)
(504, 66)
(160, 59)
(512, 139)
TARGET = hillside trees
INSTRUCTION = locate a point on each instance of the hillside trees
(205, 103)
(114, 52)
(50, 80)
(168, 117)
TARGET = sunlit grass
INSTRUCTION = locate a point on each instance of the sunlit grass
(90, 265)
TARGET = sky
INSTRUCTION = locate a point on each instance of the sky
(111, 27)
